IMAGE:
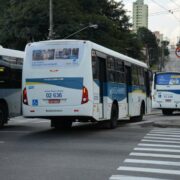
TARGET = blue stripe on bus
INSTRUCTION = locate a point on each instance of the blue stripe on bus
(113, 90)
(171, 91)
(118, 90)
(68, 82)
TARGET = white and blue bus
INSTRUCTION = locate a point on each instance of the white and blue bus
(11, 62)
(166, 92)
(78, 80)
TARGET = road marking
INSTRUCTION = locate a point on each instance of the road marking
(141, 161)
(123, 177)
(160, 141)
(157, 150)
(149, 170)
(155, 155)
(156, 144)
(15, 131)
(159, 145)
(165, 132)
(163, 135)
(154, 137)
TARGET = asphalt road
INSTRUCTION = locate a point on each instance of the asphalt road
(31, 150)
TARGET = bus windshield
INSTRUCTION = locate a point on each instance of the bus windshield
(168, 79)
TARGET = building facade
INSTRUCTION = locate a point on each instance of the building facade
(159, 37)
(140, 15)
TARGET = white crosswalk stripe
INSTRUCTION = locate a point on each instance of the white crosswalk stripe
(160, 141)
(141, 161)
(164, 135)
(162, 138)
(159, 145)
(123, 177)
(157, 150)
(157, 154)
(149, 170)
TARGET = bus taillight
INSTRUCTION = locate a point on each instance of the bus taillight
(25, 100)
(85, 97)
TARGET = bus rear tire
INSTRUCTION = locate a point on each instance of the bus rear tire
(61, 124)
(3, 115)
(140, 117)
(167, 111)
(112, 124)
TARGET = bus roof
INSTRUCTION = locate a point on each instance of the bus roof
(97, 47)
(11, 52)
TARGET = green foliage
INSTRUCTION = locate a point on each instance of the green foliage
(149, 41)
(23, 21)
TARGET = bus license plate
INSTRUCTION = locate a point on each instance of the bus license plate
(53, 101)
(168, 100)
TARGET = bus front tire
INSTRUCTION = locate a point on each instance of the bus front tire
(61, 124)
(167, 111)
(3, 116)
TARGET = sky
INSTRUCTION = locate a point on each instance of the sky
(164, 16)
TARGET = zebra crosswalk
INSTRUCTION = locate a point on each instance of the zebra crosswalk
(21, 120)
(156, 157)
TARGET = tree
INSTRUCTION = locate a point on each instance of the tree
(25, 21)
(149, 41)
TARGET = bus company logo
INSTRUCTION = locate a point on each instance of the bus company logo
(177, 52)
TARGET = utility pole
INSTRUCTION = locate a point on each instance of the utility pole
(162, 58)
(51, 33)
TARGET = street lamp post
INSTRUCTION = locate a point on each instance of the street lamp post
(50, 20)
(95, 26)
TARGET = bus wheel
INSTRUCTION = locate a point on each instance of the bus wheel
(114, 117)
(167, 111)
(2, 116)
(61, 124)
(140, 117)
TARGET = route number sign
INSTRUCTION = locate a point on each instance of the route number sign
(177, 52)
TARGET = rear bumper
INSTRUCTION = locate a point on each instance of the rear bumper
(163, 105)
(85, 110)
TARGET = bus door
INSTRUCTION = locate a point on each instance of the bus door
(128, 85)
(102, 86)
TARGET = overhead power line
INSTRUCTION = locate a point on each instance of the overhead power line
(165, 12)
(174, 2)
(171, 12)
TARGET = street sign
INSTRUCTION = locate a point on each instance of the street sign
(177, 52)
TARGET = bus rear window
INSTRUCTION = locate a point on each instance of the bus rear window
(168, 79)
(55, 57)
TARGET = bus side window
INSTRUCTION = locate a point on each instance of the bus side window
(95, 67)
(135, 79)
